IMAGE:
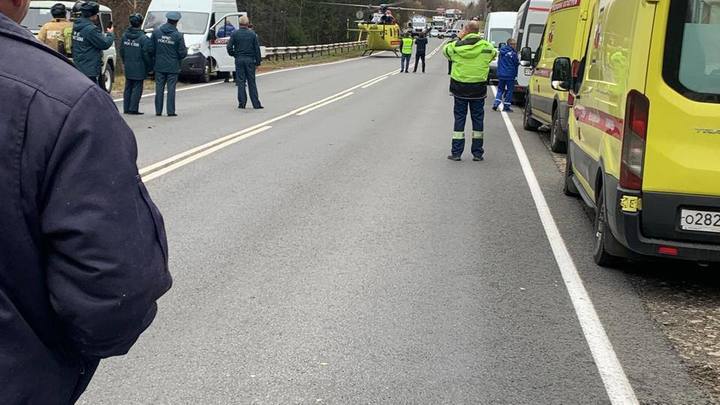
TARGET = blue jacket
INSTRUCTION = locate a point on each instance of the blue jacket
(83, 253)
(168, 49)
(88, 46)
(134, 51)
(508, 62)
(245, 44)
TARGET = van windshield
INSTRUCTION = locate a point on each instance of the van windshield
(692, 50)
(36, 18)
(190, 23)
(500, 35)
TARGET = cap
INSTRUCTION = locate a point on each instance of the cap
(136, 20)
(173, 15)
(58, 10)
(89, 9)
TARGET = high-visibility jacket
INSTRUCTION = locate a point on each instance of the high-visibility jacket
(407, 45)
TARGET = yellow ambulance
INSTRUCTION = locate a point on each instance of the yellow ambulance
(565, 36)
(644, 128)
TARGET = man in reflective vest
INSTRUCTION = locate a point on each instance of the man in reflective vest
(471, 57)
(406, 48)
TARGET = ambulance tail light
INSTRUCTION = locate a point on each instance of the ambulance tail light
(634, 141)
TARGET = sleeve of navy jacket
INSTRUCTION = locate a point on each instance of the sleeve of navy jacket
(107, 261)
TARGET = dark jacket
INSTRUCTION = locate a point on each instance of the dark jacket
(508, 62)
(244, 44)
(134, 52)
(421, 45)
(88, 46)
(83, 254)
(168, 49)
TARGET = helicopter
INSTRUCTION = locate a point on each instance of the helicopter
(381, 29)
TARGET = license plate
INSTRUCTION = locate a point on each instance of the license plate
(701, 221)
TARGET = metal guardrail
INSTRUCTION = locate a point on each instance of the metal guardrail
(294, 52)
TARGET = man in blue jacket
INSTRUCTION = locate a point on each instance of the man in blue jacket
(168, 49)
(83, 253)
(508, 62)
(244, 46)
(89, 42)
(134, 52)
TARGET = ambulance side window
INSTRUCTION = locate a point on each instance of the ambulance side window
(105, 21)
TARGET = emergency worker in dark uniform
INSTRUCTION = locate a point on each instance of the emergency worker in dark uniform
(134, 51)
(168, 49)
(83, 252)
(89, 42)
(244, 46)
(420, 52)
(57, 34)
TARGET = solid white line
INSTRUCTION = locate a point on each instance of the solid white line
(375, 82)
(346, 95)
(202, 154)
(611, 371)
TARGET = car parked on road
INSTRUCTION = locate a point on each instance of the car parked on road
(528, 32)
(39, 14)
(644, 129)
(434, 33)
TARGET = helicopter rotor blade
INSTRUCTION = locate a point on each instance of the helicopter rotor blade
(331, 3)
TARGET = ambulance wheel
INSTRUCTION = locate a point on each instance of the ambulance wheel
(569, 188)
(205, 76)
(556, 142)
(108, 78)
(529, 123)
(604, 239)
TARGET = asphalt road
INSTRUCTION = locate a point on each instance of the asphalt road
(338, 257)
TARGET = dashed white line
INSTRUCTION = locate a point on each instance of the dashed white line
(375, 82)
(321, 105)
(616, 383)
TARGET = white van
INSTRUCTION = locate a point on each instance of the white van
(498, 29)
(206, 26)
(39, 14)
(528, 33)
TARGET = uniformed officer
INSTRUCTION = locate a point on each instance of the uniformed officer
(244, 46)
(57, 34)
(168, 49)
(134, 51)
(471, 57)
(406, 48)
(88, 42)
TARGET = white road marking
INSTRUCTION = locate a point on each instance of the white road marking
(321, 105)
(611, 371)
(375, 82)
(180, 163)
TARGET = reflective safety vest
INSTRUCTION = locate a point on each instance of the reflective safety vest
(407, 44)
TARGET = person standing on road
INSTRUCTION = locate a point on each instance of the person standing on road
(244, 46)
(168, 49)
(508, 63)
(134, 52)
(88, 42)
(57, 34)
(406, 48)
(84, 253)
(420, 51)
(471, 57)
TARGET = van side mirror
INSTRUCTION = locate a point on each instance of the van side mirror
(526, 56)
(212, 35)
(562, 75)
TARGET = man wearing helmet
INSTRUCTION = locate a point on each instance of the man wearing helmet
(89, 42)
(57, 34)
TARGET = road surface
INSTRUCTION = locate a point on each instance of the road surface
(325, 251)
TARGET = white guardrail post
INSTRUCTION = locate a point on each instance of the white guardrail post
(282, 52)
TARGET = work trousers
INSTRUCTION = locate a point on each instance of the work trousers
(132, 95)
(419, 57)
(161, 80)
(505, 90)
(477, 115)
(405, 62)
(245, 77)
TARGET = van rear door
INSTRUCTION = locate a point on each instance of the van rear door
(683, 145)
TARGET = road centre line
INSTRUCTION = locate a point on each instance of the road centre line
(159, 166)
(180, 163)
(346, 95)
(616, 383)
(375, 82)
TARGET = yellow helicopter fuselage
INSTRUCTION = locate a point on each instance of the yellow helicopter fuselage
(380, 37)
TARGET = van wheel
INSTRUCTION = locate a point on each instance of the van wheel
(569, 187)
(604, 238)
(108, 78)
(557, 145)
(205, 76)
(529, 123)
